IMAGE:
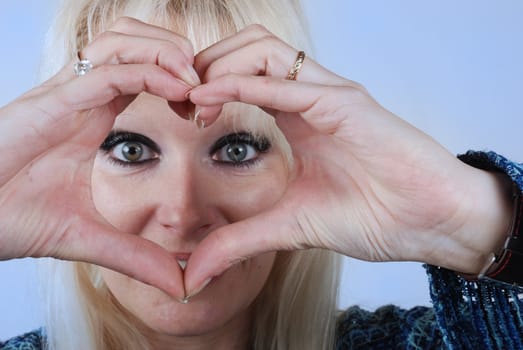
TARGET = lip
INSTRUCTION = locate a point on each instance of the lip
(181, 256)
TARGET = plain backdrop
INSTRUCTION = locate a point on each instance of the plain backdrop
(451, 68)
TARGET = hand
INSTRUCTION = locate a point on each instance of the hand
(365, 183)
(51, 136)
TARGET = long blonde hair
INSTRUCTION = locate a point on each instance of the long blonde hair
(296, 309)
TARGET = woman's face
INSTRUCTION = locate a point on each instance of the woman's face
(159, 177)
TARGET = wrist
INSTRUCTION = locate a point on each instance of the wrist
(489, 223)
(486, 222)
(479, 226)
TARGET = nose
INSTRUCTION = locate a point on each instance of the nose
(181, 205)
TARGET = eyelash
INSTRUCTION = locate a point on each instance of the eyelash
(259, 143)
(117, 137)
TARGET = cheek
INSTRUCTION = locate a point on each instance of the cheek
(244, 196)
(117, 201)
(106, 197)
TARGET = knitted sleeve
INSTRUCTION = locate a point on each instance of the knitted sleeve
(388, 328)
(481, 315)
(476, 315)
(34, 340)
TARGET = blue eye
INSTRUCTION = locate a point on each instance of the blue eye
(236, 153)
(238, 148)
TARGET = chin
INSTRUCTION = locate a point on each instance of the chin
(226, 301)
(207, 312)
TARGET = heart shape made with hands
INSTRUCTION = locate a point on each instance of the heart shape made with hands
(364, 182)
(358, 169)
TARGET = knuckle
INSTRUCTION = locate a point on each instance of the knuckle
(257, 30)
(163, 45)
(123, 23)
(355, 92)
(105, 70)
(166, 51)
(107, 35)
(231, 82)
(269, 40)
(185, 45)
(273, 47)
(358, 86)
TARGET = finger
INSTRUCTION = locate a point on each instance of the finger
(135, 27)
(122, 48)
(231, 244)
(249, 34)
(256, 51)
(104, 84)
(266, 92)
(100, 244)
(113, 48)
(315, 103)
(52, 117)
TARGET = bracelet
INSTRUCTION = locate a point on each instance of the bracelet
(506, 266)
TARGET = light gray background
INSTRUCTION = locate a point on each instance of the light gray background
(452, 68)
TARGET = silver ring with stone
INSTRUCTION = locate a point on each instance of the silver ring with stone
(83, 66)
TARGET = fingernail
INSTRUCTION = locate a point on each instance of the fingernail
(199, 123)
(190, 75)
(197, 291)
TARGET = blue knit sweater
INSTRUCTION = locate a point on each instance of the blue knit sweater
(465, 315)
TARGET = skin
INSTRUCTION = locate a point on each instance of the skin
(385, 191)
(365, 183)
(50, 213)
(176, 201)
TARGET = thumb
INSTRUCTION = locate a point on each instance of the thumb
(101, 244)
(266, 232)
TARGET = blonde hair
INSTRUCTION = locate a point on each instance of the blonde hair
(296, 309)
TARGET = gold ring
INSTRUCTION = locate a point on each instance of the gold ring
(293, 73)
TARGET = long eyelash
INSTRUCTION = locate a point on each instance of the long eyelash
(261, 143)
(116, 136)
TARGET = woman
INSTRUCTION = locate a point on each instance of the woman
(209, 202)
